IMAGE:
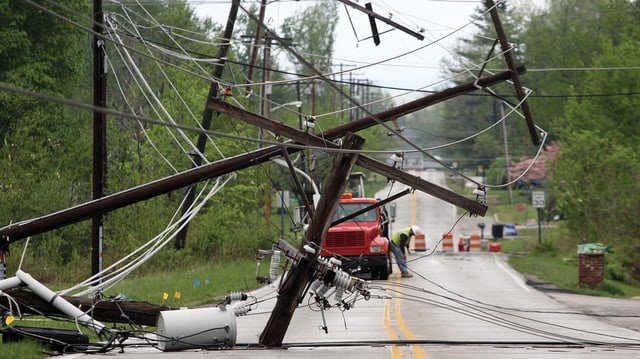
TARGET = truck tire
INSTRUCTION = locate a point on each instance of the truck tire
(383, 273)
(386, 269)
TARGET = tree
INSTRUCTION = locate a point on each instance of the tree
(596, 173)
(564, 38)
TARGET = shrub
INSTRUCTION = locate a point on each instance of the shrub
(546, 248)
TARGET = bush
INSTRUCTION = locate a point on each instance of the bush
(546, 248)
(615, 271)
(611, 288)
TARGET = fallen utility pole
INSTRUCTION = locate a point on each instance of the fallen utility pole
(108, 311)
(291, 291)
(24, 229)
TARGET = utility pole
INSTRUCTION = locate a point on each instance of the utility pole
(292, 290)
(207, 117)
(256, 41)
(265, 105)
(99, 134)
(509, 59)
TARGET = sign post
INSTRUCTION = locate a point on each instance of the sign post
(538, 202)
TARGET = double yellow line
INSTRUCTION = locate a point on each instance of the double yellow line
(396, 351)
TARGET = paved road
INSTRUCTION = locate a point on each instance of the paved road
(457, 305)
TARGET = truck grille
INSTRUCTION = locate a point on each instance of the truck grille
(345, 239)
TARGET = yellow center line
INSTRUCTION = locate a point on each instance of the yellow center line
(396, 352)
(415, 350)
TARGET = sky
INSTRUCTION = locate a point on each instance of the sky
(406, 62)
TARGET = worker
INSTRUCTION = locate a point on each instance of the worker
(400, 247)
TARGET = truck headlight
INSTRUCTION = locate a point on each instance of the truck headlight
(375, 249)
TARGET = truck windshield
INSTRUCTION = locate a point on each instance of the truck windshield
(345, 209)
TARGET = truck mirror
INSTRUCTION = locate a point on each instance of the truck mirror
(392, 211)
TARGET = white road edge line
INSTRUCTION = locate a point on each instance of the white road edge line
(509, 272)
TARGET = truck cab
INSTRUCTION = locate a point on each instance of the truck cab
(361, 243)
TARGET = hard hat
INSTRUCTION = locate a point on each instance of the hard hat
(415, 230)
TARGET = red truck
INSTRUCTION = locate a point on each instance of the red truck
(361, 243)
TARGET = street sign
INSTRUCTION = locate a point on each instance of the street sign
(537, 199)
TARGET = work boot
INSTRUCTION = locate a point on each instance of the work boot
(407, 275)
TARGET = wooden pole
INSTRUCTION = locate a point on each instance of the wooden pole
(99, 134)
(290, 294)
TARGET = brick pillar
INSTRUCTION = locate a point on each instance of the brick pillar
(590, 269)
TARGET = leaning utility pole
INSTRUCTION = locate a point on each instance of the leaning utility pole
(99, 134)
(181, 237)
(291, 291)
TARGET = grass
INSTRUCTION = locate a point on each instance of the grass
(549, 255)
(23, 350)
(194, 284)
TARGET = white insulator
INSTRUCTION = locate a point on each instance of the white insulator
(320, 292)
(342, 280)
(241, 311)
(335, 261)
(315, 285)
(338, 295)
(235, 296)
(309, 249)
(274, 268)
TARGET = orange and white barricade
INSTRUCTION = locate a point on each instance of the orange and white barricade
(420, 244)
(447, 242)
(474, 243)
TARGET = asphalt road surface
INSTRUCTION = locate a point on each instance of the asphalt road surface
(457, 305)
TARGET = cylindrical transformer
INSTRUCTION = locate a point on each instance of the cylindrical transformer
(196, 328)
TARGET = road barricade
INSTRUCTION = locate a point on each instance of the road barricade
(495, 247)
(447, 242)
(420, 244)
(474, 243)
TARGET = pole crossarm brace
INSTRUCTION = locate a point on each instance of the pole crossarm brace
(388, 21)
(508, 56)
(21, 230)
(390, 172)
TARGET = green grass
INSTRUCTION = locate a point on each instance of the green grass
(23, 350)
(197, 284)
(555, 259)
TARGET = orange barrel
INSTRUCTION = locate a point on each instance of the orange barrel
(474, 243)
(420, 244)
(447, 242)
